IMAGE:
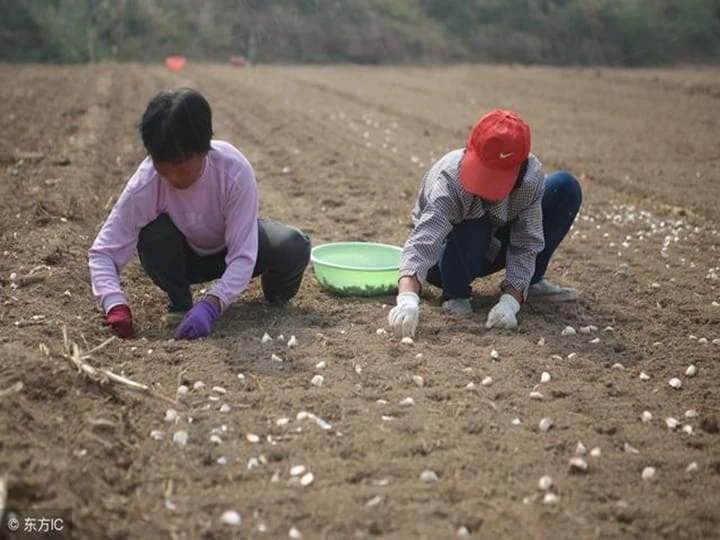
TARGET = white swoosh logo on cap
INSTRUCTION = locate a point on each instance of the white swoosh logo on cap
(505, 156)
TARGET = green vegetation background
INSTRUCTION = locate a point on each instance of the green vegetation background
(558, 32)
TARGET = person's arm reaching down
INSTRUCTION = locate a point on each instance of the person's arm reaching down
(241, 238)
(111, 251)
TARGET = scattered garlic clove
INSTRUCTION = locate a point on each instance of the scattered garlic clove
(644, 376)
(672, 423)
(516, 422)
(182, 390)
(572, 356)
(545, 424)
(687, 428)
(157, 435)
(556, 357)
(692, 467)
(429, 476)
(494, 355)
(171, 416)
(282, 421)
(294, 534)
(541, 341)
(545, 483)
(487, 381)
(585, 330)
(545, 377)
(691, 371)
(536, 395)
(648, 473)
(321, 364)
(297, 470)
(578, 465)
(580, 449)
(224, 408)
(595, 341)
(617, 365)
(198, 385)
(568, 331)
(703, 340)
(307, 479)
(418, 380)
(646, 416)
(215, 439)
(691, 413)
(266, 338)
(470, 386)
(595, 452)
(180, 437)
(550, 498)
(407, 341)
(252, 438)
(675, 383)
(407, 402)
(381, 331)
(292, 342)
(627, 447)
(231, 517)
(317, 380)
(275, 358)
(462, 532)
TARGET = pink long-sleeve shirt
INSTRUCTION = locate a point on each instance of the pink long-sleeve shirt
(220, 210)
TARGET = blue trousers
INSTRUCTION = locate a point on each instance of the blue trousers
(463, 257)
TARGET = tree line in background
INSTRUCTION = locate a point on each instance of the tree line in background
(559, 32)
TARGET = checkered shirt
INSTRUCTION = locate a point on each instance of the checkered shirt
(442, 202)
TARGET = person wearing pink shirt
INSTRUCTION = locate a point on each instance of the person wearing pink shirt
(191, 212)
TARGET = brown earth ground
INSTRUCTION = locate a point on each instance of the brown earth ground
(339, 152)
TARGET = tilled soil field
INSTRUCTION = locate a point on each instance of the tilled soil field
(339, 152)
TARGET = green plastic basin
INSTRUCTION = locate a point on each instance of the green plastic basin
(357, 268)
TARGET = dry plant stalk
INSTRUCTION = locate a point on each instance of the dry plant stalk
(100, 375)
(22, 281)
(14, 389)
(3, 495)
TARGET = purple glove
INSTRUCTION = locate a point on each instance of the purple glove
(198, 321)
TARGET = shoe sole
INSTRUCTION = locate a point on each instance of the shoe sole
(553, 298)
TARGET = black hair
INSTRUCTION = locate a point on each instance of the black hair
(176, 125)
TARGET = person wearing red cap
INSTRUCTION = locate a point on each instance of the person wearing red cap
(480, 209)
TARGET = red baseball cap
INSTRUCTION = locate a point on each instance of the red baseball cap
(495, 151)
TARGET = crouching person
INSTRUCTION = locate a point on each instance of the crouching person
(191, 211)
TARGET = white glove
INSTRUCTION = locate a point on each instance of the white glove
(403, 318)
(502, 315)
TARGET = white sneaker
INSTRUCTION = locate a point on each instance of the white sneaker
(544, 291)
(458, 306)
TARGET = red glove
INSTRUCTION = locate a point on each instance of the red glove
(119, 319)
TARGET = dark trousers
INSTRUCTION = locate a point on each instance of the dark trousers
(283, 255)
(464, 256)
